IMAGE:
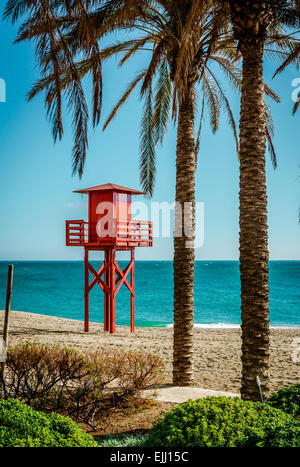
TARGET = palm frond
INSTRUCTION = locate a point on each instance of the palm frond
(278, 55)
(16, 8)
(231, 118)
(124, 97)
(147, 146)
(197, 142)
(97, 85)
(154, 64)
(89, 42)
(83, 67)
(269, 92)
(290, 59)
(212, 97)
(233, 73)
(77, 105)
(134, 47)
(162, 102)
(270, 135)
(288, 17)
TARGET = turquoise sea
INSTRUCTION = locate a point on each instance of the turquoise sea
(56, 288)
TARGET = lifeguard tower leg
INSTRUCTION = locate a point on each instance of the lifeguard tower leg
(86, 290)
(106, 295)
(132, 292)
(112, 308)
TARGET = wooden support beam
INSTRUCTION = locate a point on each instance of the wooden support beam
(97, 277)
(132, 295)
(123, 275)
(106, 293)
(113, 278)
(112, 329)
(86, 290)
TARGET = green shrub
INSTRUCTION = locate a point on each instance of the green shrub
(225, 422)
(122, 441)
(287, 399)
(22, 426)
(63, 380)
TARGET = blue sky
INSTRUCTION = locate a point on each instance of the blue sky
(36, 183)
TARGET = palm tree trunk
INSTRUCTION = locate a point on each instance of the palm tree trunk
(184, 257)
(253, 225)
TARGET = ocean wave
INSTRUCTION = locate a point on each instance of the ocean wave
(209, 326)
(230, 326)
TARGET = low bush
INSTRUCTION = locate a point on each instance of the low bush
(225, 422)
(287, 399)
(82, 385)
(22, 426)
(122, 441)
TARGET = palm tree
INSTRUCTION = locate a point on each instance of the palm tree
(182, 59)
(186, 76)
(66, 30)
(259, 28)
(166, 38)
(252, 22)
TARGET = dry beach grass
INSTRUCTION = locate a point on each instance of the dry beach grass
(217, 351)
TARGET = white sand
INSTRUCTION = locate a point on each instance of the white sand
(217, 364)
(179, 395)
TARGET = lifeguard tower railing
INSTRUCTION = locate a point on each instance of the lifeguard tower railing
(126, 233)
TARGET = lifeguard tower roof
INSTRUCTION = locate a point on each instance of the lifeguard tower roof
(110, 186)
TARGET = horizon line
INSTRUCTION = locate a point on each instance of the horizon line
(137, 260)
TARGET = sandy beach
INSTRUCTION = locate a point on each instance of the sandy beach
(217, 351)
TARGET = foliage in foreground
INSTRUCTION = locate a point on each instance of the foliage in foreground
(112, 441)
(22, 426)
(225, 422)
(287, 399)
(83, 386)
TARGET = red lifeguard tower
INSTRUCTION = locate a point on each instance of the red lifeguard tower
(110, 228)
